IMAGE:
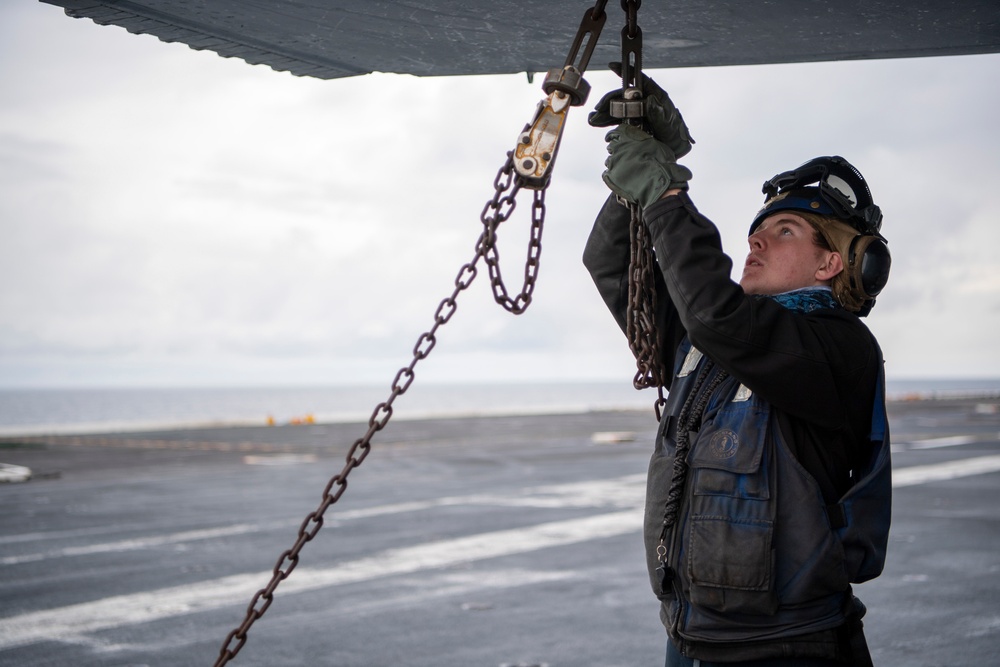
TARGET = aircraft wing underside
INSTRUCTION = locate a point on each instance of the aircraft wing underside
(329, 39)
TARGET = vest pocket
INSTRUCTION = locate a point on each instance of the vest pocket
(730, 564)
(727, 455)
(730, 532)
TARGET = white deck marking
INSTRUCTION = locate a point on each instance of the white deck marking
(621, 492)
(949, 441)
(13, 474)
(132, 544)
(70, 623)
(948, 470)
(66, 623)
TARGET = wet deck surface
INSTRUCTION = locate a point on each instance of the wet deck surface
(467, 542)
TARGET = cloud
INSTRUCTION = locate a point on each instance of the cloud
(172, 217)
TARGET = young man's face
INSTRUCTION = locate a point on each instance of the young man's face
(784, 256)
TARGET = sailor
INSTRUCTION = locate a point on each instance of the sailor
(768, 490)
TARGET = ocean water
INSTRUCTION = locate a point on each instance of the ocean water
(38, 411)
(51, 411)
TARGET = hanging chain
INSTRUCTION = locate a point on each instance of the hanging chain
(496, 211)
(566, 84)
(640, 313)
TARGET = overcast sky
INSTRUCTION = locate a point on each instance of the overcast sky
(170, 217)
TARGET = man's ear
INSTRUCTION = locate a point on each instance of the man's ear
(832, 266)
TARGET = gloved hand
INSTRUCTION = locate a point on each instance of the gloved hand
(662, 117)
(640, 168)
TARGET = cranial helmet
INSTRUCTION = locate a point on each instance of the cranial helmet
(833, 188)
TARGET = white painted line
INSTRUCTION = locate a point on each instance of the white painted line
(12, 473)
(132, 544)
(279, 459)
(612, 437)
(65, 623)
(69, 534)
(950, 441)
(619, 493)
(943, 471)
(69, 623)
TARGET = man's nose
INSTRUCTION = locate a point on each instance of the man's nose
(755, 241)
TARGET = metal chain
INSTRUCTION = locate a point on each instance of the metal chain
(506, 185)
(496, 211)
(641, 329)
(501, 207)
(631, 8)
(640, 312)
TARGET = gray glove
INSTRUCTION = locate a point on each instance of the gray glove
(662, 117)
(640, 168)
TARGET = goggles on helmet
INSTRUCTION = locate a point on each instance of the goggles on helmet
(828, 186)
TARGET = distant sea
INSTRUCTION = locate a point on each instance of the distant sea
(53, 411)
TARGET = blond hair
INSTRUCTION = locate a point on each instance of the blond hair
(836, 236)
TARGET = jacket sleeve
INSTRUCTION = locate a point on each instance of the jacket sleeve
(607, 257)
(801, 363)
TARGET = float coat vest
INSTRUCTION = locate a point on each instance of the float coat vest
(756, 553)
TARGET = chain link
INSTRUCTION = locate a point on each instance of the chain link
(631, 38)
(496, 211)
(631, 8)
(641, 329)
(640, 312)
(641, 306)
(519, 304)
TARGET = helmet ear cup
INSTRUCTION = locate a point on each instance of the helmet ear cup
(868, 265)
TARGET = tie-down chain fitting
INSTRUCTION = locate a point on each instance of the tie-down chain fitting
(631, 106)
(533, 162)
(538, 143)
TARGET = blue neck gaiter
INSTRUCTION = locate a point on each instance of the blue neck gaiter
(807, 299)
